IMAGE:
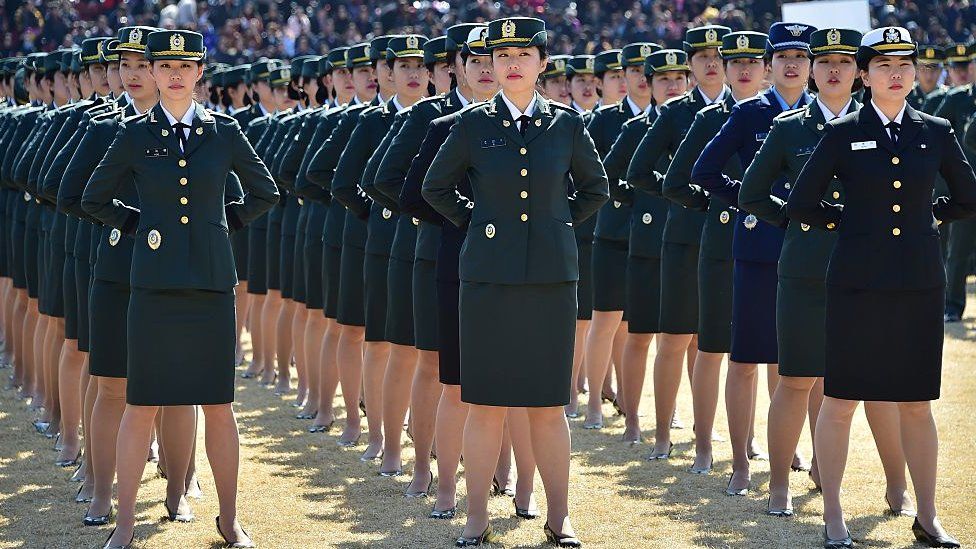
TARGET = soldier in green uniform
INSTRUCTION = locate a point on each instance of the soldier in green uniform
(678, 305)
(177, 285)
(928, 90)
(742, 57)
(801, 291)
(608, 328)
(610, 77)
(343, 254)
(958, 106)
(552, 82)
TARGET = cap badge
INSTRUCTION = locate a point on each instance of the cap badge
(412, 42)
(892, 36)
(177, 42)
(671, 58)
(560, 64)
(508, 29)
(366, 50)
(742, 42)
(285, 73)
(590, 63)
(135, 36)
(833, 37)
(645, 50)
(797, 30)
(711, 35)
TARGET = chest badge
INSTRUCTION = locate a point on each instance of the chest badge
(154, 239)
(114, 237)
(490, 230)
(724, 217)
(750, 222)
(647, 218)
(616, 204)
(387, 213)
(804, 227)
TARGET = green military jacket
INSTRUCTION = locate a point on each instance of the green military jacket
(182, 223)
(716, 234)
(792, 139)
(957, 107)
(387, 231)
(613, 219)
(520, 219)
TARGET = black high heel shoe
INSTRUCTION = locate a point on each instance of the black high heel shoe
(900, 512)
(446, 514)
(655, 457)
(423, 494)
(101, 520)
(486, 537)
(321, 428)
(65, 463)
(234, 544)
(527, 514)
(729, 491)
(497, 490)
(176, 516)
(784, 512)
(560, 540)
(837, 543)
(81, 499)
(942, 540)
(126, 546)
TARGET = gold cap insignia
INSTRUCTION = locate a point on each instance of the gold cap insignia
(366, 50)
(892, 35)
(833, 37)
(101, 45)
(412, 42)
(590, 63)
(177, 42)
(285, 73)
(645, 50)
(930, 53)
(671, 58)
(711, 35)
(508, 29)
(135, 36)
(742, 42)
(154, 239)
(114, 236)
(960, 49)
(560, 64)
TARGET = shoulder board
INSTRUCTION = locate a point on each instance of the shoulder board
(561, 107)
(430, 101)
(110, 115)
(220, 115)
(136, 118)
(713, 107)
(635, 120)
(675, 100)
(789, 113)
(603, 108)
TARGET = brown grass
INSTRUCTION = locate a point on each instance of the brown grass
(300, 490)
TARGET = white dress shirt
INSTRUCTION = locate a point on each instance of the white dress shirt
(828, 114)
(885, 120)
(515, 112)
(187, 119)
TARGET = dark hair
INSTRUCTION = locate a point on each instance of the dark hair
(812, 84)
(864, 59)
(725, 62)
(295, 91)
(321, 94)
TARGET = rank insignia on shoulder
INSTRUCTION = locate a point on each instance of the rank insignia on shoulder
(492, 143)
(156, 153)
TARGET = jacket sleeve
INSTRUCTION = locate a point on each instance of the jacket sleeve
(411, 200)
(55, 173)
(618, 159)
(958, 174)
(349, 172)
(98, 199)
(295, 150)
(60, 142)
(81, 164)
(640, 173)
(765, 169)
(806, 203)
(589, 177)
(375, 161)
(260, 191)
(440, 184)
(392, 171)
(303, 185)
(707, 172)
(677, 185)
(321, 168)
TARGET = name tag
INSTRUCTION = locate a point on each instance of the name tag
(156, 153)
(762, 136)
(805, 151)
(492, 143)
(864, 145)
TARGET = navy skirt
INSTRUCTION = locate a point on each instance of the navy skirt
(18, 252)
(313, 274)
(609, 274)
(273, 259)
(425, 305)
(70, 299)
(375, 274)
(257, 261)
(32, 258)
(801, 308)
(331, 267)
(352, 307)
(584, 250)
(449, 332)
(298, 278)
(399, 307)
(181, 347)
(714, 305)
(109, 321)
(643, 295)
(286, 266)
(517, 343)
(754, 313)
(83, 287)
(679, 288)
(240, 241)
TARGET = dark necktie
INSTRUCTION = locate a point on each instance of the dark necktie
(523, 123)
(893, 129)
(180, 134)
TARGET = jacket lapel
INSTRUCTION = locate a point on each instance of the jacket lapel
(870, 124)
(159, 127)
(541, 119)
(500, 116)
(814, 119)
(911, 126)
(203, 127)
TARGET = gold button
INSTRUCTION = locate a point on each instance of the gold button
(525, 217)
(182, 163)
(524, 194)
(896, 208)
(896, 231)
(804, 227)
(523, 151)
(896, 184)
(184, 181)
(836, 195)
(895, 160)
(506, 123)
(301, 202)
(184, 220)
(524, 172)
(938, 222)
(831, 226)
(183, 200)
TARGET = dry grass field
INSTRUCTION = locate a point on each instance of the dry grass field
(301, 491)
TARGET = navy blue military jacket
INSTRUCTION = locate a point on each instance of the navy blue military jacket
(182, 223)
(520, 220)
(742, 135)
(888, 225)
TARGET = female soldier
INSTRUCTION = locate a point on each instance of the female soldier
(681, 233)
(552, 82)
(613, 219)
(582, 83)
(742, 54)
(756, 244)
(886, 270)
(180, 296)
(800, 293)
(537, 339)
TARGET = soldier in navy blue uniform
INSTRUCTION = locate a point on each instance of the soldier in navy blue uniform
(885, 277)
(756, 244)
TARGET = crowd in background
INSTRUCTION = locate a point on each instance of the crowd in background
(243, 30)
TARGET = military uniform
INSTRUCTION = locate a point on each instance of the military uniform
(519, 262)
(183, 273)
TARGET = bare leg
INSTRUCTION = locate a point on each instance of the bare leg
(299, 320)
(69, 373)
(885, 421)
(375, 359)
(350, 356)
(397, 383)
(704, 396)
(617, 358)
(787, 413)
(551, 446)
(833, 432)
(134, 434)
(177, 436)
(579, 375)
(242, 304)
(521, 433)
(32, 383)
(329, 374)
(503, 467)
(106, 418)
(482, 443)
(635, 368)
(223, 452)
(424, 395)
(920, 440)
(449, 427)
(813, 412)
(667, 379)
(18, 310)
(596, 361)
(284, 349)
(740, 408)
(256, 329)
(91, 395)
(269, 331)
